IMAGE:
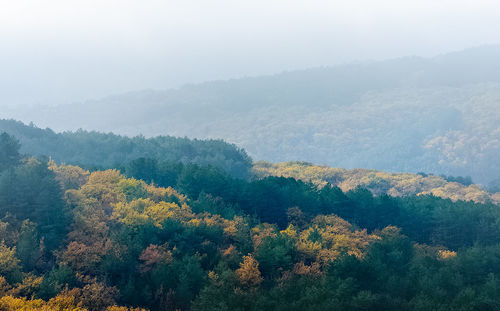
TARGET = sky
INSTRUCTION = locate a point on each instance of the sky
(63, 51)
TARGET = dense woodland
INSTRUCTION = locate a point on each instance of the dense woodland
(436, 115)
(96, 150)
(378, 182)
(170, 234)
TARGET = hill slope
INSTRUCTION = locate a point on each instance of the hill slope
(438, 115)
(72, 239)
(378, 182)
(110, 150)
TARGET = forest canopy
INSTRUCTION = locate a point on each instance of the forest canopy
(100, 150)
(378, 182)
(184, 236)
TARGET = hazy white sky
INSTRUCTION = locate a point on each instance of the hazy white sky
(58, 51)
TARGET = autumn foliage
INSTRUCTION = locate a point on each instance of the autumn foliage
(75, 239)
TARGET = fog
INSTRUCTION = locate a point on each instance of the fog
(58, 52)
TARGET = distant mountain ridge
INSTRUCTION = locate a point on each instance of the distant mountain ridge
(439, 115)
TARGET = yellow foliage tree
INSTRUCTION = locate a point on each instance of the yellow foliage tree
(248, 273)
(328, 237)
(141, 211)
(9, 264)
(66, 301)
(70, 176)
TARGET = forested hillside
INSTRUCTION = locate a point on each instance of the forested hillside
(100, 150)
(438, 115)
(199, 239)
(378, 182)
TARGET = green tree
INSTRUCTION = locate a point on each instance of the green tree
(9, 151)
(28, 246)
(31, 191)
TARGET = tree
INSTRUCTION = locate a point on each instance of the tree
(70, 176)
(28, 248)
(9, 264)
(9, 151)
(248, 273)
(32, 192)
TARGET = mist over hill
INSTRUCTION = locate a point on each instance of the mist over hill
(439, 115)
